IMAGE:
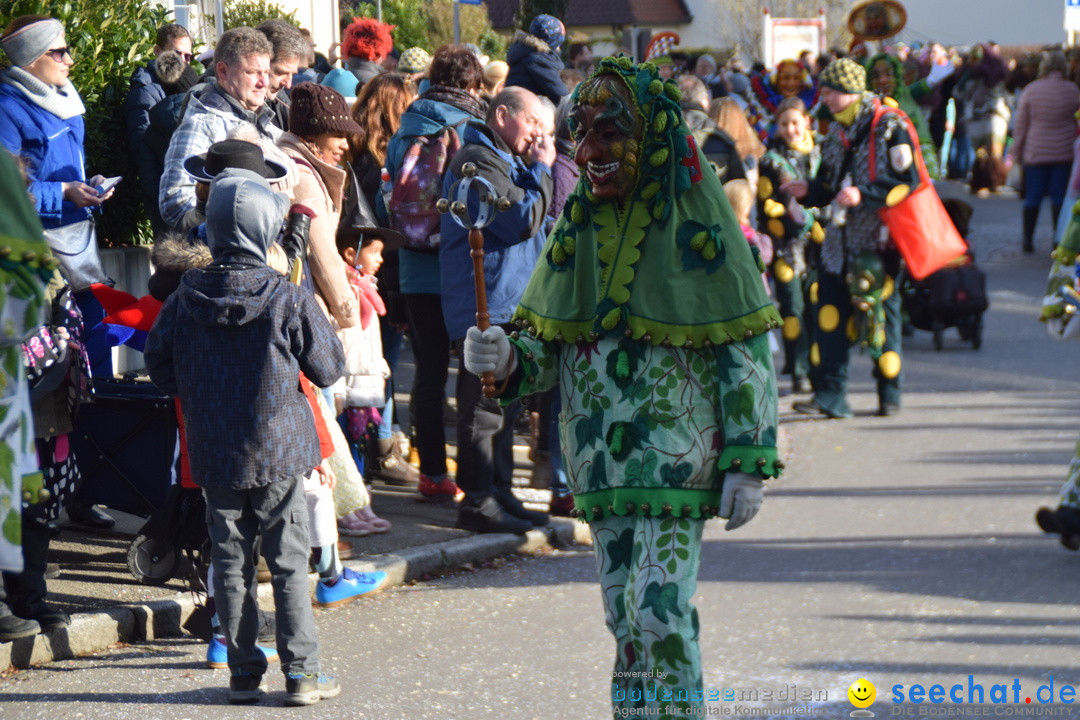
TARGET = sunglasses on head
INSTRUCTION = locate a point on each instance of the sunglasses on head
(58, 54)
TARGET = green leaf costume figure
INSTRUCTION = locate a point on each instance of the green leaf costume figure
(648, 310)
(25, 267)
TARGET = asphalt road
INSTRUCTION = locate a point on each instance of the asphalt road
(901, 550)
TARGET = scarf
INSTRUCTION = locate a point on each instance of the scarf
(671, 266)
(458, 98)
(367, 293)
(847, 116)
(63, 102)
(803, 145)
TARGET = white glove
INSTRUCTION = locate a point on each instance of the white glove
(488, 351)
(740, 498)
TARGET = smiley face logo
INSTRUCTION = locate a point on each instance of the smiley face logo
(862, 693)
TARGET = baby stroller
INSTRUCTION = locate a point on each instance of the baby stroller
(954, 296)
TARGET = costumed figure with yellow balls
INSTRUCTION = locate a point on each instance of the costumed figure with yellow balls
(796, 232)
(1061, 313)
(647, 311)
(854, 300)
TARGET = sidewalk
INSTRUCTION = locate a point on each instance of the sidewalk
(109, 606)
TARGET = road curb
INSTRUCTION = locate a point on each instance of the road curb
(93, 632)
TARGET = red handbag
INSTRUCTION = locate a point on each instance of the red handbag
(918, 225)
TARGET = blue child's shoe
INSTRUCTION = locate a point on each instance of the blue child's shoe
(349, 586)
(217, 654)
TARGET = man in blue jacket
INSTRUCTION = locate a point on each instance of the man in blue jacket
(514, 153)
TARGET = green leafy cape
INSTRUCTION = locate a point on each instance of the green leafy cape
(671, 266)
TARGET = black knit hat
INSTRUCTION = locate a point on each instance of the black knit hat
(317, 109)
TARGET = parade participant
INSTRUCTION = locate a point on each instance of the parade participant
(647, 292)
(885, 76)
(788, 79)
(1064, 520)
(846, 179)
(793, 155)
(25, 268)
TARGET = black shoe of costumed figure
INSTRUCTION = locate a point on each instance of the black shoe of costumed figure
(1063, 521)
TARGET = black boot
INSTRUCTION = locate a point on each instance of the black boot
(488, 516)
(1063, 521)
(13, 628)
(1056, 210)
(1031, 219)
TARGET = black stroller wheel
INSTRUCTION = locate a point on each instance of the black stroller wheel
(151, 562)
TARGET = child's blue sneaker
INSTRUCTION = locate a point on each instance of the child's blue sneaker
(217, 654)
(349, 586)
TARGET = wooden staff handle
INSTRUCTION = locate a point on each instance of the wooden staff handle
(476, 245)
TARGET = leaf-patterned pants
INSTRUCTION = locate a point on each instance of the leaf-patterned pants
(1070, 491)
(648, 571)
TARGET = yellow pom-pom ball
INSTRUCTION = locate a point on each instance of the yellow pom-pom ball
(650, 190)
(813, 293)
(698, 241)
(773, 209)
(792, 328)
(887, 288)
(659, 157)
(764, 188)
(817, 233)
(828, 318)
(775, 228)
(656, 87)
(897, 195)
(889, 364)
(783, 272)
(852, 332)
(709, 251)
(815, 354)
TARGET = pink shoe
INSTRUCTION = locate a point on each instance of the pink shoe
(378, 524)
(354, 525)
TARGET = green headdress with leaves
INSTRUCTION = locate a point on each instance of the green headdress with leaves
(667, 265)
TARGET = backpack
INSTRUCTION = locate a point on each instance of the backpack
(418, 186)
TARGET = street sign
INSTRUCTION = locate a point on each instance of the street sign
(481, 2)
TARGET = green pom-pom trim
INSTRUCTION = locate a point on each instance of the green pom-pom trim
(558, 254)
(660, 123)
(672, 90)
(659, 157)
(650, 190)
(698, 241)
(611, 320)
(577, 213)
(656, 87)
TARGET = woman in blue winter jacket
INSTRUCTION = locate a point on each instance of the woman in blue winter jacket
(41, 122)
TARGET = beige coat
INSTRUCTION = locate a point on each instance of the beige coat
(322, 190)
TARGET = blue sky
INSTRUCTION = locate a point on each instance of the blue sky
(1009, 22)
